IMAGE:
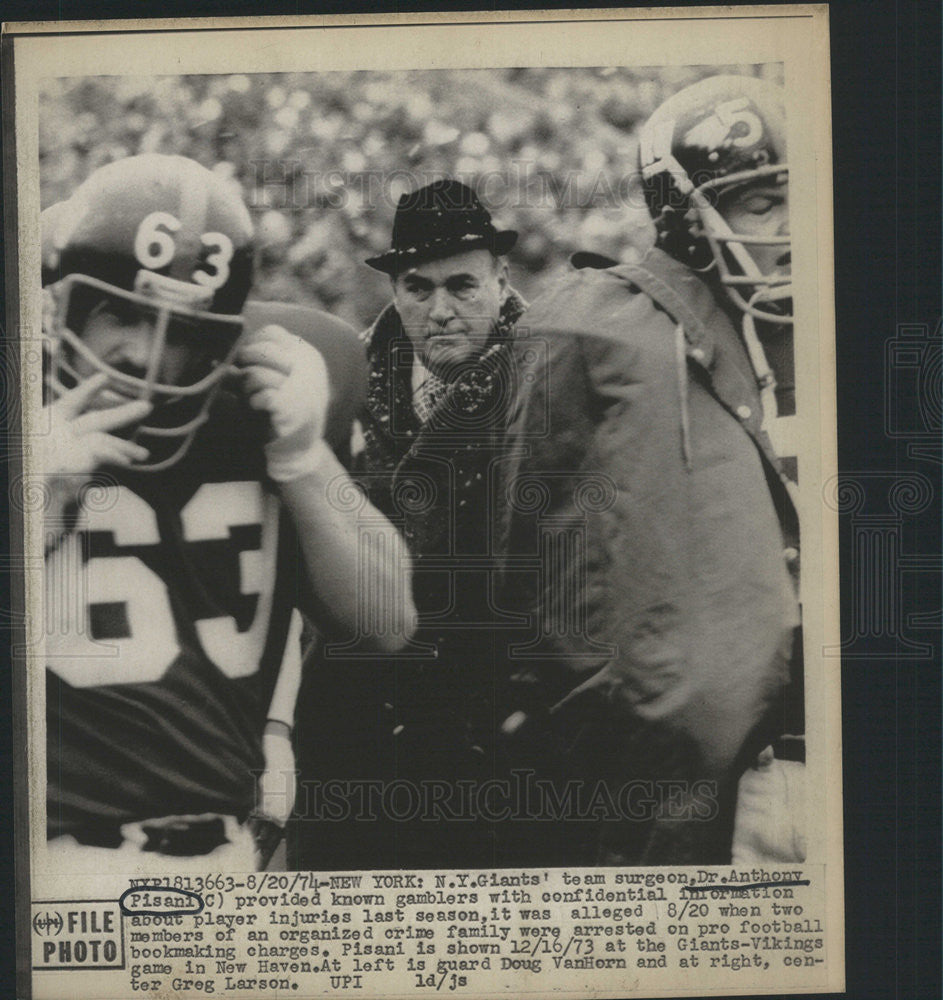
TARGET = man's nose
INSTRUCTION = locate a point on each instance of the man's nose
(137, 343)
(442, 309)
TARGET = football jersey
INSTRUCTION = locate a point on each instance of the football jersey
(168, 608)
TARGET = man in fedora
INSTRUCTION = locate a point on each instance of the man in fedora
(405, 733)
(451, 298)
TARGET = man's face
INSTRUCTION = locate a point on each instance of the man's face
(449, 307)
(122, 334)
(761, 209)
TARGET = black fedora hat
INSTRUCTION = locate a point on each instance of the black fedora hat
(438, 220)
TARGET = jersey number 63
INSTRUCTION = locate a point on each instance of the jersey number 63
(76, 585)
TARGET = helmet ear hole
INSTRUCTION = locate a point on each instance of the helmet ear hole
(683, 239)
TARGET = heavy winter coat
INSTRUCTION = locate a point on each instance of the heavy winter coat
(645, 544)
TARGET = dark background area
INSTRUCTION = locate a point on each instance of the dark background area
(886, 91)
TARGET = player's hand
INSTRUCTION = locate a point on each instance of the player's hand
(275, 795)
(79, 440)
(276, 792)
(287, 378)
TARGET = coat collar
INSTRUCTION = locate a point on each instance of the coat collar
(681, 292)
(712, 342)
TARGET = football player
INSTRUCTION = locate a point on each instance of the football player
(716, 180)
(666, 611)
(193, 506)
(716, 177)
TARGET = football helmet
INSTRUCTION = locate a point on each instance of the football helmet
(160, 240)
(704, 142)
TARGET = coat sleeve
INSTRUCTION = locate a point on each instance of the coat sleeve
(643, 546)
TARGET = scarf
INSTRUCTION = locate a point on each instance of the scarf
(391, 425)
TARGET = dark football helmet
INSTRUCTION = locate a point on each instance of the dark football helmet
(701, 144)
(156, 238)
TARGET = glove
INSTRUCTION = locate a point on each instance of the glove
(287, 378)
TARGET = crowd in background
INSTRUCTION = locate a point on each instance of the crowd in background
(321, 158)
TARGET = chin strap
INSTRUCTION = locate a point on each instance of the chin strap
(681, 361)
(780, 430)
(765, 379)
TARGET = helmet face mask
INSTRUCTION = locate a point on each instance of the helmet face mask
(180, 393)
(762, 292)
(703, 146)
(146, 278)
